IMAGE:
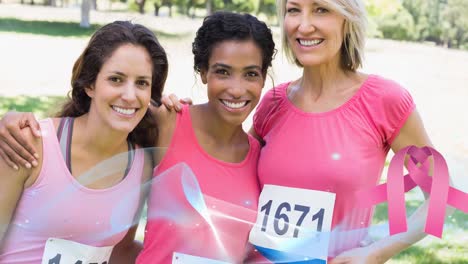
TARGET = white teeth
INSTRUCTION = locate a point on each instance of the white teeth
(124, 111)
(308, 43)
(234, 105)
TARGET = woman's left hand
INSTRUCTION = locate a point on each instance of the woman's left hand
(361, 255)
(173, 102)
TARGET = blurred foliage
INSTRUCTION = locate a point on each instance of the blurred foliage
(398, 25)
(41, 106)
(443, 22)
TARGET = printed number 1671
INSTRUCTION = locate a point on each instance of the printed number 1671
(282, 214)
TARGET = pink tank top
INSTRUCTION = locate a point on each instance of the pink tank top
(339, 151)
(56, 205)
(214, 224)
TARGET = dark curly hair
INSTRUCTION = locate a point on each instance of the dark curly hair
(225, 26)
(100, 47)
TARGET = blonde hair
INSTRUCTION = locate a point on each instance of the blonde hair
(352, 49)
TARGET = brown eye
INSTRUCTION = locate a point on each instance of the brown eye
(321, 10)
(252, 74)
(292, 10)
(143, 83)
(222, 72)
(115, 79)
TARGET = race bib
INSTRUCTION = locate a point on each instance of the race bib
(294, 221)
(61, 251)
(179, 258)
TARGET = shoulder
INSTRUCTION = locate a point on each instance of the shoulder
(274, 94)
(387, 90)
(389, 105)
(268, 109)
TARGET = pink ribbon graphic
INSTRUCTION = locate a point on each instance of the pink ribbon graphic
(418, 164)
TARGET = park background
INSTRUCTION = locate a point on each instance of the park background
(422, 44)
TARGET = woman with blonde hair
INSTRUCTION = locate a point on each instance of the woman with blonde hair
(337, 125)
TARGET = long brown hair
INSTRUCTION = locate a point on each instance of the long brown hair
(100, 47)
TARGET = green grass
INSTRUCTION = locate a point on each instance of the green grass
(49, 28)
(440, 252)
(453, 248)
(60, 29)
(457, 220)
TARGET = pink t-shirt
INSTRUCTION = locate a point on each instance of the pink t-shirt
(58, 206)
(339, 151)
(212, 224)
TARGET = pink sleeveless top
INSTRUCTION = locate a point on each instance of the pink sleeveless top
(212, 224)
(56, 205)
(340, 151)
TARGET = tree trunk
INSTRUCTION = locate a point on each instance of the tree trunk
(85, 10)
(170, 9)
(94, 5)
(187, 11)
(156, 9)
(141, 6)
(209, 7)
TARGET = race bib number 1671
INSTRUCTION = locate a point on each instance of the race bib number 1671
(294, 220)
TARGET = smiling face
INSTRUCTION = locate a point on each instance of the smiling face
(122, 91)
(314, 32)
(234, 79)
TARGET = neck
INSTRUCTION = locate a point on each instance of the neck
(97, 138)
(323, 79)
(211, 124)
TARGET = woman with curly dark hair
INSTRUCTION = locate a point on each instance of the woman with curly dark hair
(232, 53)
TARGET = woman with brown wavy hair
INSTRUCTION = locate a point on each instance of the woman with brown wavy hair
(59, 211)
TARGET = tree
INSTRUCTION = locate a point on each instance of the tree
(378, 12)
(455, 23)
(399, 25)
(85, 10)
(141, 6)
(268, 7)
(427, 17)
(209, 7)
(160, 3)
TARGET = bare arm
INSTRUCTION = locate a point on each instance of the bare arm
(12, 184)
(127, 250)
(15, 149)
(412, 133)
(166, 120)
